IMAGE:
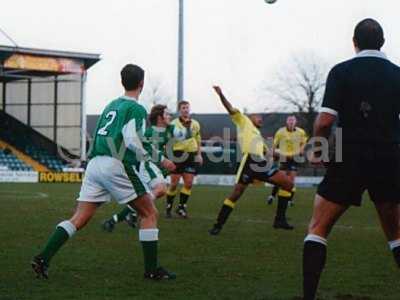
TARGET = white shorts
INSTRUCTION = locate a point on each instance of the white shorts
(151, 174)
(107, 177)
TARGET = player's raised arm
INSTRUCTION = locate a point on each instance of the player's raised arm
(228, 106)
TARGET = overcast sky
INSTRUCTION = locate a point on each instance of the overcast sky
(235, 43)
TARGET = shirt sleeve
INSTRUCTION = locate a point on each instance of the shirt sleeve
(133, 138)
(238, 118)
(333, 98)
(133, 134)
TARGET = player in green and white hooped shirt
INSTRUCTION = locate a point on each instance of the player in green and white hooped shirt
(157, 136)
(113, 172)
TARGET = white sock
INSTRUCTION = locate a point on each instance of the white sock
(394, 244)
(316, 238)
(148, 235)
(68, 227)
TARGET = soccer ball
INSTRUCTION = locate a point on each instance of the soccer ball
(270, 1)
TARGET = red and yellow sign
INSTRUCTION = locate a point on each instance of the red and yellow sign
(46, 64)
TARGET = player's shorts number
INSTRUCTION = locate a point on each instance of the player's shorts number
(110, 117)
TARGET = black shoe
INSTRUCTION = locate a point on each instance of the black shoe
(160, 274)
(168, 213)
(215, 230)
(40, 267)
(270, 200)
(131, 220)
(108, 225)
(282, 224)
(181, 211)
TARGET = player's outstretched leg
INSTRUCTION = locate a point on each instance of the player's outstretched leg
(271, 197)
(127, 214)
(280, 221)
(223, 215)
(324, 217)
(148, 236)
(63, 231)
(227, 208)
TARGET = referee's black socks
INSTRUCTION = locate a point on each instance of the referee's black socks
(395, 247)
(314, 258)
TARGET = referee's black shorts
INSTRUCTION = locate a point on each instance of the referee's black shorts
(376, 170)
(254, 169)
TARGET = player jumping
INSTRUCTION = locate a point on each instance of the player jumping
(113, 172)
(254, 166)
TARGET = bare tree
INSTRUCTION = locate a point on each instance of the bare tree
(298, 87)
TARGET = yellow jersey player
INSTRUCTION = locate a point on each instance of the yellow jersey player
(289, 142)
(187, 155)
(254, 166)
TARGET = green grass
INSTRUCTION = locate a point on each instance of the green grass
(249, 260)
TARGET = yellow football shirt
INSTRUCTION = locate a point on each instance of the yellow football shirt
(288, 142)
(249, 137)
(180, 134)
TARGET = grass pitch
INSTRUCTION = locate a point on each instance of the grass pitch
(249, 260)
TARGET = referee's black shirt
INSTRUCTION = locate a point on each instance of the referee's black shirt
(364, 93)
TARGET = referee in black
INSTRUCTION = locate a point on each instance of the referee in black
(363, 96)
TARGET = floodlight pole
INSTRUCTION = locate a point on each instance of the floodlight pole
(83, 116)
(180, 84)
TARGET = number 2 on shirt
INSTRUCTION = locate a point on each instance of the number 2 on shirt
(110, 116)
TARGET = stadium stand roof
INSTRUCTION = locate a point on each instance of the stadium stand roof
(19, 62)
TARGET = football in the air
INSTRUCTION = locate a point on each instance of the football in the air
(270, 1)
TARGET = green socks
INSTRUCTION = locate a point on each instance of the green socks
(63, 232)
(149, 240)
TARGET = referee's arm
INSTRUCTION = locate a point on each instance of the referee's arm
(331, 105)
(323, 125)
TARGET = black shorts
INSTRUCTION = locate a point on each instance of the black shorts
(185, 162)
(289, 165)
(373, 170)
(253, 169)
